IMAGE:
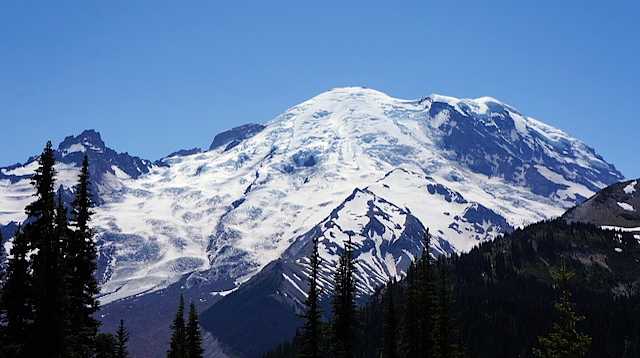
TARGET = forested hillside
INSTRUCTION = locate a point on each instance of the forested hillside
(504, 299)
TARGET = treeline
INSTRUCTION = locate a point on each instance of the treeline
(416, 315)
(549, 290)
(48, 298)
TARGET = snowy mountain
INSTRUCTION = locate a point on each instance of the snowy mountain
(350, 161)
(226, 213)
(107, 168)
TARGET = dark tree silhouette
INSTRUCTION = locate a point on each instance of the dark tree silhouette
(390, 343)
(122, 338)
(312, 317)
(81, 264)
(344, 310)
(194, 337)
(178, 345)
(16, 298)
(564, 340)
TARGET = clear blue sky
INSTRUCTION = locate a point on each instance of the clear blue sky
(155, 77)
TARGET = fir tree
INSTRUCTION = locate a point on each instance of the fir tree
(81, 265)
(65, 331)
(105, 346)
(178, 346)
(446, 335)
(16, 298)
(42, 210)
(390, 340)
(411, 338)
(46, 261)
(344, 305)
(564, 340)
(121, 340)
(312, 316)
(194, 338)
(427, 309)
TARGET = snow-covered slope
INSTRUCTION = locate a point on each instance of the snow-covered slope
(467, 169)
(106, 170)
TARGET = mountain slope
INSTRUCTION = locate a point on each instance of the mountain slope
(617, 205)
(228, 212)
(386, 239)
(504, 293)
(501, 283)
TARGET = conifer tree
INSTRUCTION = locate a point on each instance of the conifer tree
(121, 340)
(312, 324)
(194, 337)
(446, 335)
(65, 332)
(178, 346)
(390, 338)
(46, 261)
(344, 305)
(564, 340)
(427, 305)
(106, 345)
(411, 337)
(81, 264)
(16, 298)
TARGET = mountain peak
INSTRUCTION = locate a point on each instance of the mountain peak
(341, 93)
(232, 137)
(88, 140)
(480, 105)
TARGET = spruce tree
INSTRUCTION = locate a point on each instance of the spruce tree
(344, 305)
(564, 340)
(46, 261)
(312, 316)
(81, 259)
(427, 309)
(448, 346)
(105, 345)
(16, 298)
(121, 340)
(390, 337)
(65, 331)
(411, 343)
(194, 338)
(178, 346)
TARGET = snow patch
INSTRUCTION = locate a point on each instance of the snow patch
(74, 148)
(631, 188)
(626, 206)
(27, 169)
(618, 228)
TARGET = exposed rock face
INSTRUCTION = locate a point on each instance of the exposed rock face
(232, 137)
(617, 205)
